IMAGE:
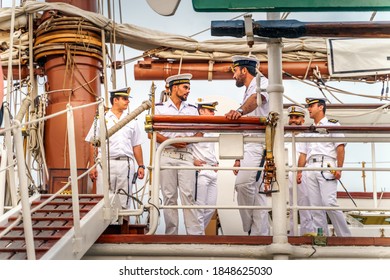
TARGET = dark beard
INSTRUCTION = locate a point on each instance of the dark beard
(239, 83)
(240, 80)
(183, 98)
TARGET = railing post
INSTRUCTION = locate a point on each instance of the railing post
(374, 188)
(23, 188)
(3, 172)
(74, 182)
(294, 202)
(9, 147)
(103, 156)
(154, 192)
(275, 90)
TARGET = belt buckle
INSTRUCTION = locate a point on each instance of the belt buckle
(181, 156)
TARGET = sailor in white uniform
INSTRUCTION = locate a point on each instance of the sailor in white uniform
(322, 185)
(254, 222)
(206, 180)
(124, 147)
(176, 182)
(296, 116)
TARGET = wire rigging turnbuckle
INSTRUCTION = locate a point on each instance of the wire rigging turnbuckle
(269, 168)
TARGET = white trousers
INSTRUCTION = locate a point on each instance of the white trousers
(323, 192)
(121, 174)
(206, 195)
(305, 218)
(254, 221)
(174, 183)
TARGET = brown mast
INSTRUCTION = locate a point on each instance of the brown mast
(156, 69)
(73, 70)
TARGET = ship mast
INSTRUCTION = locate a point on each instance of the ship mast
(73, 76)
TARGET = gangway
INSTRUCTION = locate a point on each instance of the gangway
(53, 231)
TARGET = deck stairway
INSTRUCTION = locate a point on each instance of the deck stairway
(53, 230)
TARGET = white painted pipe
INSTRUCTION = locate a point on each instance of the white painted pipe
(9, 146)
(3, 172)
(221, 251)
(104, 162)
(23, 188)
(77, 246)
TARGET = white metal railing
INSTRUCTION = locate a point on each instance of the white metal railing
(156, 167)
(154, 203)
(17, 142)
(16, 139)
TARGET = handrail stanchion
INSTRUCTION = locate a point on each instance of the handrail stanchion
(74, 182)
(154, 195)
(23, 188)
(275, 90)
(374, 190)
(103, 155)
(294, 186)
(3, 172)
(9, 147)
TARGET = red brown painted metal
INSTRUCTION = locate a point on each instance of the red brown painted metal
(364, 195)
(354, 29)
(83, 82)
(238, 240)
(220, 123)
(1, 84)
(88, 5)
(206, 119)
(160, 69)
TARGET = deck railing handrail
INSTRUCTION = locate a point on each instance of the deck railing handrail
(16, 128)
(294, 207)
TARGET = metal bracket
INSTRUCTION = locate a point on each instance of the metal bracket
(249, 30)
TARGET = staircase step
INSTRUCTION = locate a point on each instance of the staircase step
(49, 224)
(50, 211)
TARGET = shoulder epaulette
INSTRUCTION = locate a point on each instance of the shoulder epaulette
(333, 121)
(159, 104)
(192, 106)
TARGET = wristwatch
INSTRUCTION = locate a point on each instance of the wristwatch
(141, 166)
(240, 111)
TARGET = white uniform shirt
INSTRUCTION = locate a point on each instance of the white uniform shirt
(122, 142)
(288, 149)
(263, 110)
(206, 150)
(321, 148)
(168, 108)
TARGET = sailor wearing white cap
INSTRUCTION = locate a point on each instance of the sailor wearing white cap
(124, 148)
(296, 116)
(255, 222)
(211, 106)
(206, 180)
(296, 111)
(176, 182)
(322, 185)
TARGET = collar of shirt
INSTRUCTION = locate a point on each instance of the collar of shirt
(323, 121)
(170, 103)
(251, 89)
(111, 114)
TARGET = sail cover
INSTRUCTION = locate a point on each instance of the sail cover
(358, 57)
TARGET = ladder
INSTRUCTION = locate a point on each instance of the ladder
(53, 229)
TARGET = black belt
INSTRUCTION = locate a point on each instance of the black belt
(119, 158)
(320, 159)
